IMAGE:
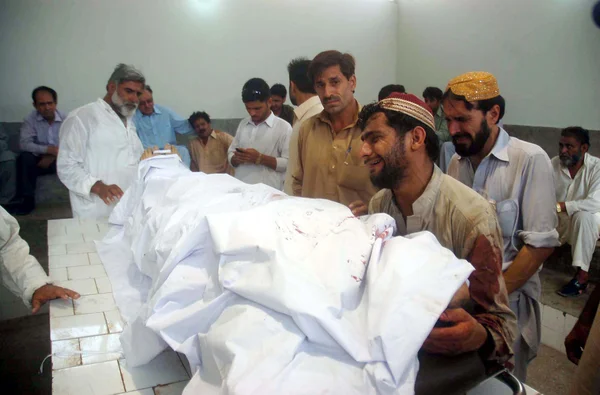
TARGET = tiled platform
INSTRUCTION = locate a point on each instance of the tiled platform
(85, 333)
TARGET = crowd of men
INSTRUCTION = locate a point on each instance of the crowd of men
(503, 204)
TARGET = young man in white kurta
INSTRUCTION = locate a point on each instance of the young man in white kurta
(577, 182)
(99, 147)
(260, 149)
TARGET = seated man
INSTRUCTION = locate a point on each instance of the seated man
(21, 272)
(208, 151)
(39, 143)
(281, 110)
(156, 125)
(8, 175)
(400, 148)
(577, 182)
(259, 150)
(99, 148)
(389, 89)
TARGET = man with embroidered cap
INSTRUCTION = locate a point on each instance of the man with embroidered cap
(514, 176)
(329, 163)
(400, 148)
(577, 182)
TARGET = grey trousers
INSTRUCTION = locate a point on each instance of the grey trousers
(8, 180)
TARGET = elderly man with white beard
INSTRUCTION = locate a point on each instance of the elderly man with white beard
(99, 147)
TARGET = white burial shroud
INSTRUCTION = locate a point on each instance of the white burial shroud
(270, 294)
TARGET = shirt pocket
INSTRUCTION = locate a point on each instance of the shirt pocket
(508, 214)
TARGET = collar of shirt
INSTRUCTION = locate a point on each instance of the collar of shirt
(500, 149)
(303, 108)
(324, 117)
(213, 134)
(57, 117)
(110, 110)
(269, 121)
(423, 206)
(586, 164)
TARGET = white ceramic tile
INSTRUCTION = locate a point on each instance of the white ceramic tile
(82, 287)
(58, 274)
(62, 328)
(114, 321)
(73, 238)
(147, 391)
(96, 379)
(103, 228)
(94, 304)
(552, 338)
(103, 285)
(554, 319)
(68, 260)
(166, 368)
(100, 348)
(61, 308)
(57, 249)
(56, 230)
(81, 272)
(63, 355)
(79, 248)
(569, 323)
(91, 237)
(94, 259)
(63, 222)
(171, 389)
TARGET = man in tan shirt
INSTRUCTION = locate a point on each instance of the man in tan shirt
(208, 151)
(400, 149)
(329, 144)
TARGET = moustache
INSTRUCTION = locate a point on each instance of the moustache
(461, 135)
(331, 98)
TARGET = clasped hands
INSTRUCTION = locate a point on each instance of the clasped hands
(246, 155)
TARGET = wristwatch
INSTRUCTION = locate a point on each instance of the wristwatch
(558, 209)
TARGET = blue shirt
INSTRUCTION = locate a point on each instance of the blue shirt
(159, 128)
(37, 134)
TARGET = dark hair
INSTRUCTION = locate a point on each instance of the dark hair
(580, 134)
(44, 89)
(389, 89)
(326, 59)
(433, 93)
(255, 89)
(402, 123)
(298, 71)
(278, 90)
(147, 88)
(198, 115)
(481, 105)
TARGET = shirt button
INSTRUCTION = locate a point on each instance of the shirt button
(333, 166)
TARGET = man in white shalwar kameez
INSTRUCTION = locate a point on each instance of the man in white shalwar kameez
(577, 182)
(99, 146)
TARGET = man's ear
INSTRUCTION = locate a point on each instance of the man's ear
(418, 137)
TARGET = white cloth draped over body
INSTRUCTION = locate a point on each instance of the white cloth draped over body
(270, 294)
(95, 145)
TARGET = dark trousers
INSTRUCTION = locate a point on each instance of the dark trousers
(29, 172)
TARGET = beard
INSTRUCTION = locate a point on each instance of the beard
(477, 143)
(394, 168)
(293, 99)
(570, 160)
(125, 108)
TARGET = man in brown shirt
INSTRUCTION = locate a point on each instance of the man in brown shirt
(329, 144)
(400, 148)
(208, 151)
